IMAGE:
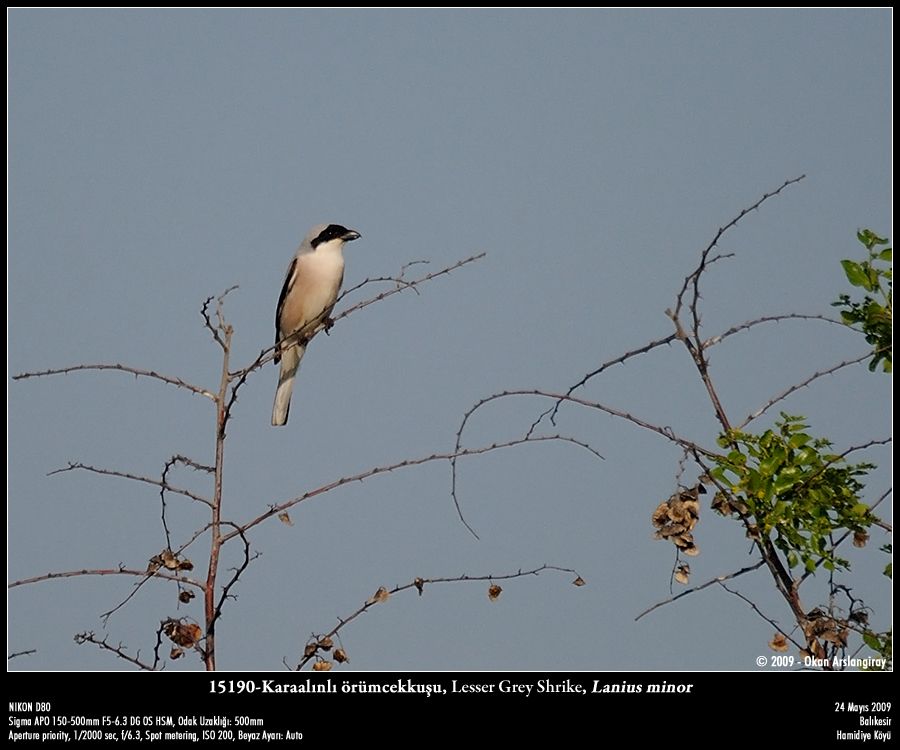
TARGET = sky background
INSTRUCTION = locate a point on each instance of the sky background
(158, 157)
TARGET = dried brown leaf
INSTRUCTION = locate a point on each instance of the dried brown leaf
(325, 643)
(494, 592)
(340, 656)
(322, 666)
(860, 538)
(285, 518)
(683, 573)
(579, 582)
(660, 514)
(380, 596)
(185, 596)
(420, 585)
(779, 643)
(168, 559)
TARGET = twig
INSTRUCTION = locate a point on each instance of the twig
(217, 327)
(713, 340)
(104, 616)
(722, 230)
(409, 285)
(104, 572)
(75, 465)
(622, 358)
(237, 573)
(267, 355)
(89, 637)
(419, 584)
(560, 397)
(400, 281)
(765, 617)
(274, 510)
(797, 386)
(886, 526)
(17, 654)
(136, 371)
(717, 579)
(693, 342)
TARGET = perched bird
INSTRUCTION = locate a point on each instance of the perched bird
(310, 290)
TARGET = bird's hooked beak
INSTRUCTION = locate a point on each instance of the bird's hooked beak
(352, 234)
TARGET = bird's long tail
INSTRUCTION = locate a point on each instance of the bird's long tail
(290, 361)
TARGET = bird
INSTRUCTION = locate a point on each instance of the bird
(310, 290)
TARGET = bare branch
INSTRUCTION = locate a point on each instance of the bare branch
(267, 355)
(692, 340)
(765, 617)
(192, 464)
(17, 654)
(866, 446)
(408, 285)
(237, 572)
(713, 340)
(105, 572)
(621, 359)
(525, 439)
(173, 461)
(666, 432)
(796, 387)
(136, 371)
(712, 581)
(89, 637)
(274, 510)
(704, 256)
(400, 280)
(104, 616)
(73, 466)
(419, 584)
(217, 328)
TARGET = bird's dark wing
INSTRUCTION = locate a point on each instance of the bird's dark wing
(284, 292)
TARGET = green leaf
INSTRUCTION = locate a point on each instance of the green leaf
(806, 456)
(768, 466)
(886, 255)
(798, 439)
(872, 641)
(855, 273)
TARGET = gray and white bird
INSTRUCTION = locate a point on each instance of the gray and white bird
(310, 290)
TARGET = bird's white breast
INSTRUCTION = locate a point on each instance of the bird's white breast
(317, 281)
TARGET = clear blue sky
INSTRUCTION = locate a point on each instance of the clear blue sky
(158, 157)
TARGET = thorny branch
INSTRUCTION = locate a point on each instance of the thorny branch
(136, 371)
(797, 386)
(559, 398)
(17, 654)
(694, 589)
(163, 485)
(225, 397)
(419, 584)
(274, 510)
(764, 616)
(106, 572)
(119, 651)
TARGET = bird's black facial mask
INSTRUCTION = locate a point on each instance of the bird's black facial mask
(334, 232)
